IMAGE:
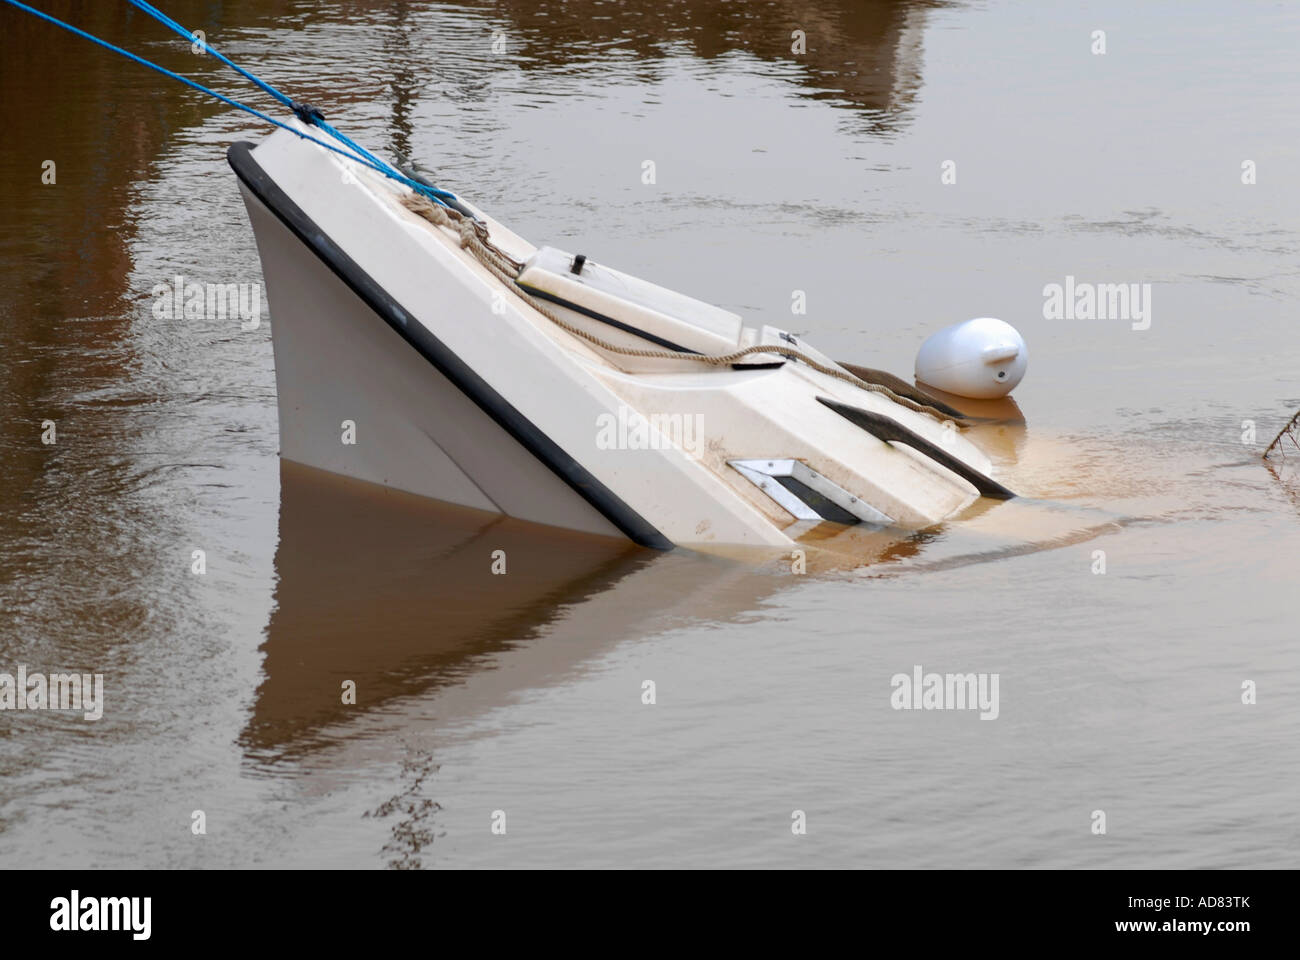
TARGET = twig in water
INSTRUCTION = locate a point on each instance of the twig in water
(1288, 431)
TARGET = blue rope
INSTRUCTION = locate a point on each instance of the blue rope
(315, 119)
(304, 112)
(361, 156)
(167, 21)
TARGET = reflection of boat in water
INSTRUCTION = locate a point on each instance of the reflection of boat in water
(396, 593)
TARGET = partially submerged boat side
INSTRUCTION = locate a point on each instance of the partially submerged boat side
(573, 400)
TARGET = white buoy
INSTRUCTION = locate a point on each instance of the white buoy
(983, 359)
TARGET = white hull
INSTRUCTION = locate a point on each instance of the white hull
(461, 391)
(413, 429)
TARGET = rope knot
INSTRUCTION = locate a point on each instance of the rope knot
(307, 113)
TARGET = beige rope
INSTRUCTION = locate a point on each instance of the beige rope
(474, 238)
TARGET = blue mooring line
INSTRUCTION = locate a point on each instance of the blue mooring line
(167, 21)
(305, 113)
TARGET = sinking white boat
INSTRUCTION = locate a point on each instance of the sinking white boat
(434, 351)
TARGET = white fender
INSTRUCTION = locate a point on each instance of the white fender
(984, 359)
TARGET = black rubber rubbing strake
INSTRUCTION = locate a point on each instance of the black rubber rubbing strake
(626, 328)
(443, 359)
(886, 429)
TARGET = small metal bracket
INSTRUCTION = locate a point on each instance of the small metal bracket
(806, 494)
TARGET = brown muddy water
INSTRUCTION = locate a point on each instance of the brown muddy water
(1119, 691)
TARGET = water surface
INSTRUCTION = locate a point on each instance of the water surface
(776, 172)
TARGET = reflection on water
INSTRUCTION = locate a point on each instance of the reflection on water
(780, 171)
(862, 56)
(396, 595)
